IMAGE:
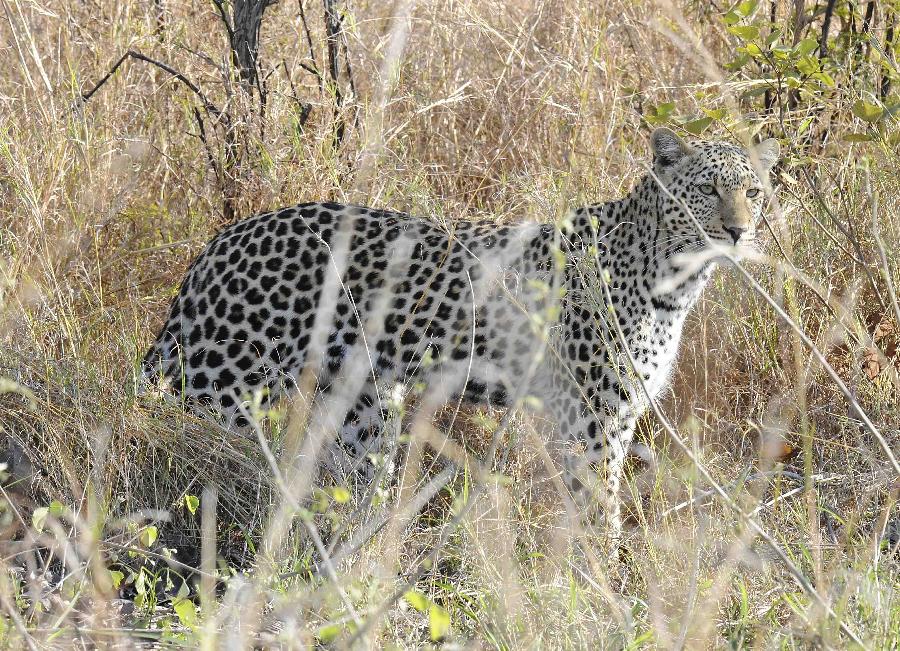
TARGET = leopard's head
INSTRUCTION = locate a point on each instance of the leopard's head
(722, 185)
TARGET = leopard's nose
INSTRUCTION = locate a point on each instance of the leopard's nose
(735, 232)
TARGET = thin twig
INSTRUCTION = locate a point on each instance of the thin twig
(209, 106)
(882, 254)
(309, 42)
(845, 230)
(703, 496)
(225, 20)
(313, 70)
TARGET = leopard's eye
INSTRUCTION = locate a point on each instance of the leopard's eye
(752, 192)
(707, 189)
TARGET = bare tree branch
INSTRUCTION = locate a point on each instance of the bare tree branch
(335, 39)
(246, 22)
(209, 106)
(309, 42)
(826, 26)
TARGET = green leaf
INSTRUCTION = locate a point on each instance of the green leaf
(659, 114)
(484, 421)
(417, 600)
(438, 622)
(340, 494)
(320, 503)
(804, 126)
(808, 65)
(665, 109)
(716, 114)
(149, 536)
(745, 600)
(140, 582)
(537, 285)
(737, 63)
(731, 18)
(805, 47)
(697, 127)
(753, 50)
(117, 578)
(746, 7)
(866, 112)
(825, 78)
(329, 632)
(39, 517)
(754, 92)
(192, 502)
(746, 32)
(186, 611)
(62, 630)
(857, 137)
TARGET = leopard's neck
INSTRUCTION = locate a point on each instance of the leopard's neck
(652, 293)
(632, 244)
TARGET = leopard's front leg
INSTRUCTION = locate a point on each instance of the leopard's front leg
(594, 447)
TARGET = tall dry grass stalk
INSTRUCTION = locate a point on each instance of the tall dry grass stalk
(762, 497)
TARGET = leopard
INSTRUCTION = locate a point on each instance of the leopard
(579, 317)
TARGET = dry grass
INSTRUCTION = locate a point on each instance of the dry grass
(508, 110)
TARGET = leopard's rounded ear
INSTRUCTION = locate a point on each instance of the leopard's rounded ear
(668, 148)
(767, 152)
